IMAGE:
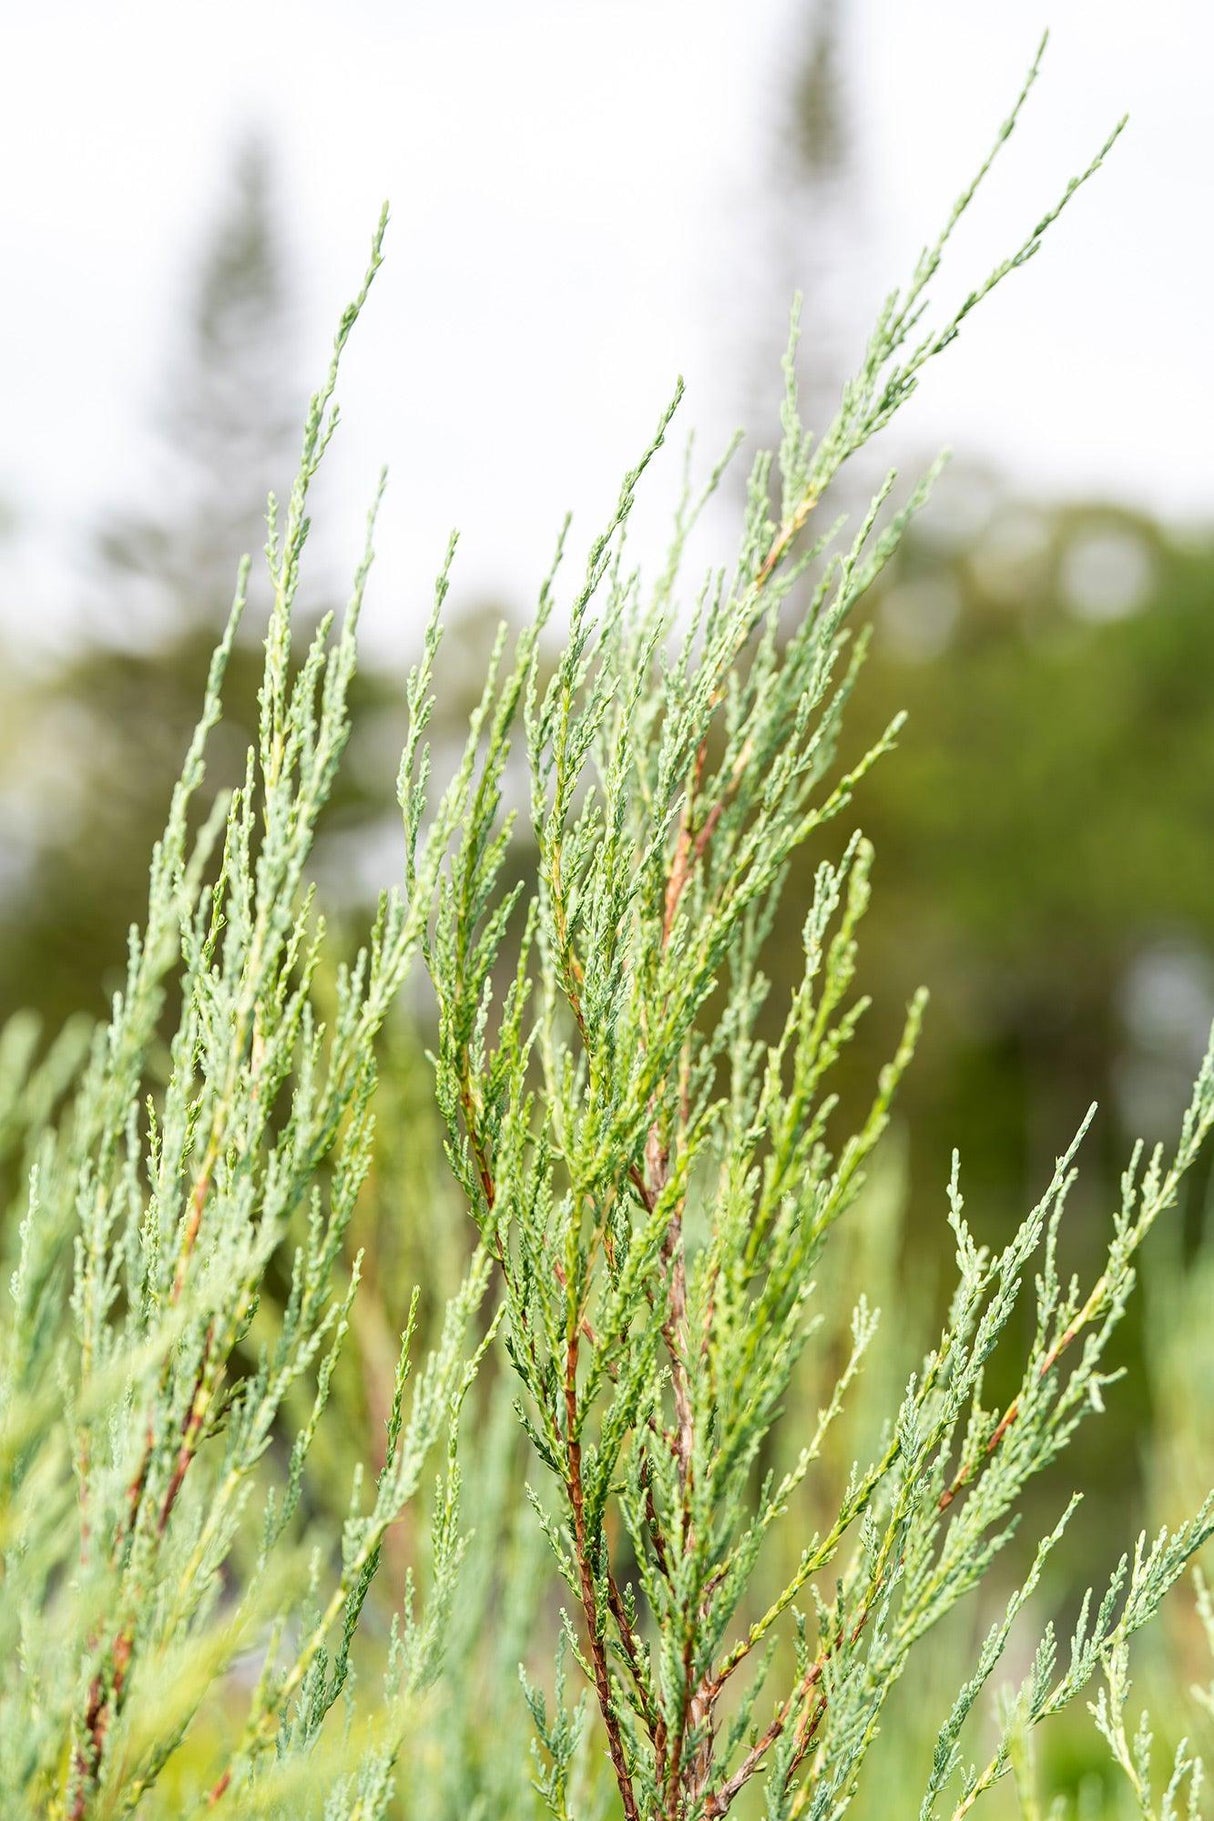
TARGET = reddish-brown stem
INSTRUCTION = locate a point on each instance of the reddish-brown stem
(632, 1647)
(190, 1434)
(587, 1589)
(105, 1693)
(783, 542)
(105, 1697)
(807, 1732)
(194, 1218)
(653, 1522)
(1010, 1415)
(720, 1800)
(649, 1182)
(695, 1709)
(681, 865)
(479, 1154)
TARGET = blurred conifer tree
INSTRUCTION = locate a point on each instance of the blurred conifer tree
(228, 423)
(812, 216)
(104, 729)
(1045, 832)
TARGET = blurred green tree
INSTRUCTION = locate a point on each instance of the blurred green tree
(1044, 834)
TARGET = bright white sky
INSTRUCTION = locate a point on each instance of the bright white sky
(579, 197)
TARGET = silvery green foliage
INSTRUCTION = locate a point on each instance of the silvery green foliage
(1181, 1795)
(653, 1180)
(152, 1540)
(656, 1181)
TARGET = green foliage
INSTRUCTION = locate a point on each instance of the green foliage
(147, 1546)
(659, 1189)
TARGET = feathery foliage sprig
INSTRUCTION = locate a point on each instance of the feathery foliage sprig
(656, 1180)
(151, 1534)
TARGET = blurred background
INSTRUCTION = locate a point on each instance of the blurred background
(587, 200)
